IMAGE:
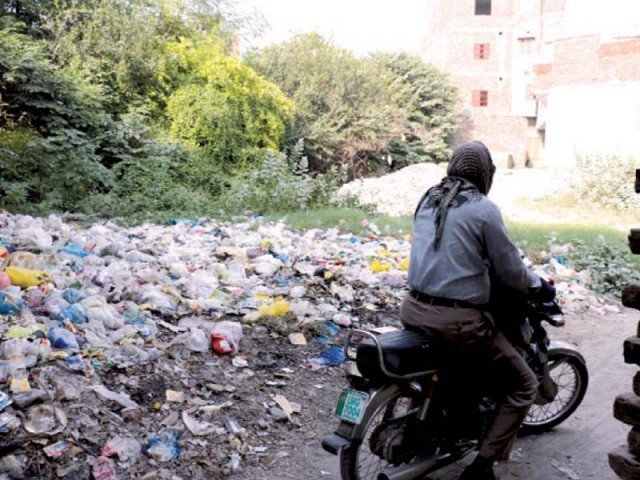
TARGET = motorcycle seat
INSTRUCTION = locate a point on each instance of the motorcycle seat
(405, 352)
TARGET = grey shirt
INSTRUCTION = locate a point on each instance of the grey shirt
(474, 239)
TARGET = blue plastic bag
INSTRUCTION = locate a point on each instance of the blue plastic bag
(330, 330)
(331, 357)
(73, 295)
(164, 446)
(62, 339)
(10, 305)
(74, 313)
(75, 249)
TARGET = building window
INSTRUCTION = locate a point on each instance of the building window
(481, 51)
(483, 7)
(480, 98)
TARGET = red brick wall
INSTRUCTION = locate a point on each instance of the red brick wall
(585, 60)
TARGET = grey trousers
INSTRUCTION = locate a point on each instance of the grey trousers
(470, 329)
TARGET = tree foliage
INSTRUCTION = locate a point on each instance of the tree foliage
(223, 107)
(345, 108)
(120, 106)
(50, 128)
(428, 98)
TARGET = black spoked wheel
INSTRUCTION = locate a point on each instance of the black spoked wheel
(572, 378)
(358, 462)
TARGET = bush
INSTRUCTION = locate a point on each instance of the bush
(50, 125)
(606, 181)
(611, 265)
(274, 186)
(152, 174)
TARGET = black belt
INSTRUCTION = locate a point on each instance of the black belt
(444, 302)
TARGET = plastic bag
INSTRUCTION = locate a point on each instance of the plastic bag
(103, 468)
(25, 278)
(54, 303)
(73, 295)
(164, 446)
(126, 448)
(225, 337)
(74, 313)
(75, 249)
(62, 339)
(5, 281)
(278, 308)
(197, 341)
(10, 303)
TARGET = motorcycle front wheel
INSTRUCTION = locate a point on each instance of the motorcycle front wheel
(572, 378)
(357, 461)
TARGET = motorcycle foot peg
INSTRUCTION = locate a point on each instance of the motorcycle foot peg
(334, 443)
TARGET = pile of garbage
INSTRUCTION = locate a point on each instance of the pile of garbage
(146, 352)
(122, 347)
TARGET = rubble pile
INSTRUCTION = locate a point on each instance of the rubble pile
(398, 193)
(164, 351)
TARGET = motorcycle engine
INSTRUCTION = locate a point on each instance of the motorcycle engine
(392, 441)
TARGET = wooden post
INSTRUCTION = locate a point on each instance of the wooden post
(625, 460)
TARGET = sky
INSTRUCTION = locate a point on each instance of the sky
(360, 25)
(400, 25)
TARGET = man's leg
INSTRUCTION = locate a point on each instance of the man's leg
(519, 385)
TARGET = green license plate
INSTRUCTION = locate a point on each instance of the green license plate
(351, 405)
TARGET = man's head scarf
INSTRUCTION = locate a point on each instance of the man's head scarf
(469, 176)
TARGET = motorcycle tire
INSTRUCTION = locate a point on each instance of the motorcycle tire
(530, 427)
(350, 468)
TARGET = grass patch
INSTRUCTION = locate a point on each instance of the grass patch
(529, 236)
(538, 236)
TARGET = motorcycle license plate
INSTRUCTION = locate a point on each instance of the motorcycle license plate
(351, 405)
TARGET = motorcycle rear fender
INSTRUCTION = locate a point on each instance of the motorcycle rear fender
(564, 348)
(348, 432)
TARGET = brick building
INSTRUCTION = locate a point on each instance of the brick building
(542, 80)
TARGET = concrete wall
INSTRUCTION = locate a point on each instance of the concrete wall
(599, 119)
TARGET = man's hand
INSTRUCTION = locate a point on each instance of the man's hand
(545, 292)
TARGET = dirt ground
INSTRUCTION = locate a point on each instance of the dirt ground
(576, 450)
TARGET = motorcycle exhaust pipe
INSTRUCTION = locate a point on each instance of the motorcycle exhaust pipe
(410, 471)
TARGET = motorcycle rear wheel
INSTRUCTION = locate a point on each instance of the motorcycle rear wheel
(357, 461)
(572, 378)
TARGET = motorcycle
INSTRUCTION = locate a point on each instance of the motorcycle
(401, 417)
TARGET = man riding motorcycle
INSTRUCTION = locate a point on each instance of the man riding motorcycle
(459, 237)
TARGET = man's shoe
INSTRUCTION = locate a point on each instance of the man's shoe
(475, 472)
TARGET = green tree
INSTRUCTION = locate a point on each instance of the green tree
(223, 108)
(345, 107)
(428, 98)
(49, 125)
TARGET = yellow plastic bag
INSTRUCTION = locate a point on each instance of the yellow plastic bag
(376, 266)
(275, 309)
(404, 265)
(25, 278)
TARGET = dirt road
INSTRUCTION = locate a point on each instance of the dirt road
(577, 450)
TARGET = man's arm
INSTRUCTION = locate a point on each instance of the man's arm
(504, 255)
